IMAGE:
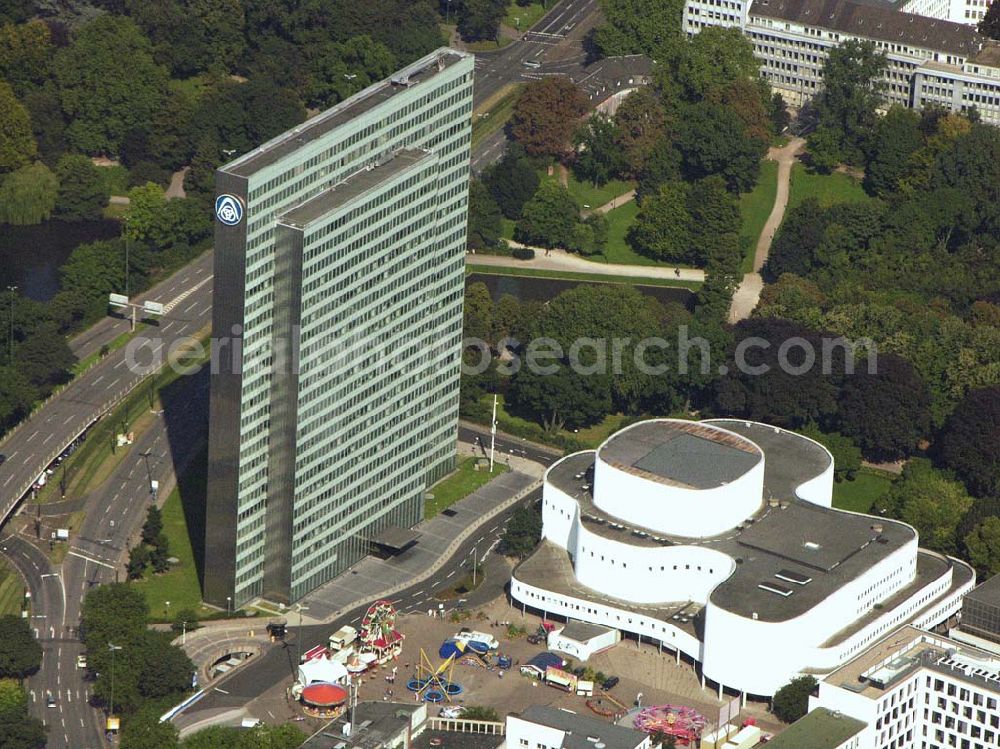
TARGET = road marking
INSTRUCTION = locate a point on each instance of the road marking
(33, 435)
(98, 379)
(450, 574)
(73, 552)
(222, 691)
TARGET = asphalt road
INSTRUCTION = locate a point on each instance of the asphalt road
(94, 557)
(555, 38)
(279, 661)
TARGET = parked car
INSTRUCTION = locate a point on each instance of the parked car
(81, 661)
(452, 711)
(610, 683)
(50, 701)
(535, 639)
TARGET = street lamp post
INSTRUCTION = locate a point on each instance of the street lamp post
(298, 636)
(229, 605)
(113, 649)
(10, 341)
(475, 560)
(184, 633)
(167, 604)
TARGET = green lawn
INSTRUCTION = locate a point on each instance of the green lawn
(459, 484)
(494, 112)
(495, 270)
(829, 189)
(11, 590)
(755, 207)
(180, 585)
(859, 495)
(585, 194)
(524, 17)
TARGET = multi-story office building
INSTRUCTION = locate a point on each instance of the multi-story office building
(916, 690)
(338, 313)
(931, 62)
(969, 12)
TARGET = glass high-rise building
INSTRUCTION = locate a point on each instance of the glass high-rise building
(337, 324)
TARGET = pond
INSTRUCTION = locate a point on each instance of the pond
(526, 288)
(30, 256)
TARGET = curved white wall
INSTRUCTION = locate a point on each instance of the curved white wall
(648, 574)
(571, 607)
(674, 510)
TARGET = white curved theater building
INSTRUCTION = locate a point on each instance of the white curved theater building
(716, 539)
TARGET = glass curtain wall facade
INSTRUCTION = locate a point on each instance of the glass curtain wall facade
(339, 256)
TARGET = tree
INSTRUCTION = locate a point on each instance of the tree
(82, 193)
(564, 399)
(25, 55)
(523, 532)
(715, 141)
(138, 560)
(638, 27)
(599, 157)
(102, 97)
(852, 91)
(28, 195)
(846, 455)
(930, 502)
(825, 152)
(797, 240)
(983, 546)
(285, 736)
(17, 729)
(715, 224)
(153, 526)
(340, 70)
(791, 702)
(17, 144)
(886, 412)
(989, 24)
(663, 226)
(546, 114)
(16, 396)
(549, 217)
(896, 138)
(48, 124)
(478, 712)
(145, 731)
(480, 19)
(20, 653)
(714, 60)
(485, 218)
(759, 384)
(512, 181)
(969, 442)
(640, 124)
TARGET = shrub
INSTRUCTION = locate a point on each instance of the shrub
(523, 253)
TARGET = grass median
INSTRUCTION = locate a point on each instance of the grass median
(95, 460)
(494, 113)
(459, 484)
(11, 590)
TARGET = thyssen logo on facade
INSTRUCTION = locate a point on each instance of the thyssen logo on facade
(229, 209)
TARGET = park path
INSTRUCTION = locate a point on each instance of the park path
(618, 202)
(747, 294)
(561, 260)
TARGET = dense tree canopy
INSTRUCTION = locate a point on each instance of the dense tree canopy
(791, 702)
(716, 142)
(548, 219)
(852, 91)
(969, 442)
(485, 218)
(82, 192)
(18, 730)
(930, 502)
(20, 653)
(638, 27)
(546, 115)
(28, 195)
(108, 83)
(17, 144)
(512, 181)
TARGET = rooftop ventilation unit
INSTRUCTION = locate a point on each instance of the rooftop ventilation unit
(792, 576)
(780, 590)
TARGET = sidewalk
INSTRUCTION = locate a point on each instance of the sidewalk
(561, 260)
(747, 294)
(373, 578)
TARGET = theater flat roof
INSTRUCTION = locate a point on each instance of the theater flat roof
(796, 540)
(681, 453)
